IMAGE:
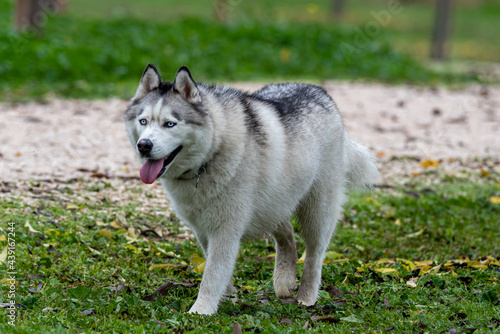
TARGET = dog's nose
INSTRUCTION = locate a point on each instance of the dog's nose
(144, 146)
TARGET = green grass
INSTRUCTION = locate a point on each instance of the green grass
(94, 58)
(474, 23)
(72, 258)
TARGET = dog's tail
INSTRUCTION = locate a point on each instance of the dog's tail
(361, 170)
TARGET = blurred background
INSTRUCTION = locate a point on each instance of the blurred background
(96, 48)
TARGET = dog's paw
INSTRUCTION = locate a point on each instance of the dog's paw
(202, 309)
(306, 297)
(284, 286)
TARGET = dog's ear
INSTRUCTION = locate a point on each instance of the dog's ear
(150, 80)
(185, 85)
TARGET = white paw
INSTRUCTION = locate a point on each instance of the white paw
(202, 309)
(307, 298)
(284, 286)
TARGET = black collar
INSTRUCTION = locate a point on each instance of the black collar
(188, 174)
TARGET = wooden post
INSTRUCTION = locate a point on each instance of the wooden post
(33, 14)
(220, 10)
(338, 9)
(441, 30)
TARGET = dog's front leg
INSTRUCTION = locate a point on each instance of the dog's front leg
(221, 257)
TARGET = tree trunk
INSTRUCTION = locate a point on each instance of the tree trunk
(33, 14)
(338, 9)
(441, 30)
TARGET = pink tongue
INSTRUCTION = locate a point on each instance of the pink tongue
(150, 170)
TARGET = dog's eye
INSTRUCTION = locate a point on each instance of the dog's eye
(169, 124)
(143, 121)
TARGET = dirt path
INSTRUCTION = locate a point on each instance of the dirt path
(69, 138)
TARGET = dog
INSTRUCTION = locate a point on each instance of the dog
(237, 165)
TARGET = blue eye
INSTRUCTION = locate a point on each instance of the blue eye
(143, 121)
(169, 124)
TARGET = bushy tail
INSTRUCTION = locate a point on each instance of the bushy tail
(361, 170)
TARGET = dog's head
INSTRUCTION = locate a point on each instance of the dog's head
(168, 125)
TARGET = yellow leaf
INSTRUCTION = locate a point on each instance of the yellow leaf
(247, 287)
(430, 163)
(302, 258)
(415, 174)
(424, 270)
(414, 235)
(411, 284)
(495, 263)
(200, 268)
(381, 154)
(271, 255)
(71, 206)
(135, 249)
(7, 281)
(417, 311)
(477, 265)
(424, 263)
(30, 228)
(383, 261)
(397, 222)
(133, 235)
(118, 227)
(312, 8)
(285, 55)
(407, 264)
(53, 244)
(3, 255)
(372, 200)
(333, 255)
(3, 238)
(386, 270)
(105, 233)
(195, 259)
(495, 200)
(52, 232)
(484, 173)
(162, 266)
(100, 223)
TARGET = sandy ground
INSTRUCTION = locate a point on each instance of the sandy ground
(72, 138)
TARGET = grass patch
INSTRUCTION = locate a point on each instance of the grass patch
(84, 251)
(93, 58)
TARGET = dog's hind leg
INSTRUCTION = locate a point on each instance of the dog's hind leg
(318, 215)
(285, 268)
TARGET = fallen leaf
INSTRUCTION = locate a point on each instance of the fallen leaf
(87, 312)
(105, 233)
(3, 238)
(162, 266)
(385, 270)
(397, 222)
(414, 235)
(430, 163)
(386, 302)
(411, 284)
(351, 318)
(373, 200)
(302, 258)
(286, 321)
(94, 251)
(306, 325)
(30, 228)
(3, 255)
(114, 224)
(495, 200)
(71, 206)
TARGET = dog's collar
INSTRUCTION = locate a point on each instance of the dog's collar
(189, 175)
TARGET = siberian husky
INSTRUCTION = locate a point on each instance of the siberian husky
(237, 165)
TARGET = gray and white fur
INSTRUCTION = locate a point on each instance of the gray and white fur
(238, 165)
